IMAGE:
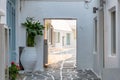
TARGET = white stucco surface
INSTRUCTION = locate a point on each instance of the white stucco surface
(111, 61)
(3, 9)
(111, 68)
(41, 10)
(3, 43)
(111, 74)
(77, 10)
(2, 52)
(104, 63)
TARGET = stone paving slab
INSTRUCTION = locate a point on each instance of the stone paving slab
(63, 70)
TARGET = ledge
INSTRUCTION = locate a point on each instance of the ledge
(2, 13)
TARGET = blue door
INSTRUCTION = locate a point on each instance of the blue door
(11, 25)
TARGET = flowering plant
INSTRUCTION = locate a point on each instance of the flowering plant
(13, 71)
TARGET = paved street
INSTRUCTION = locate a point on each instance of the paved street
(64, 69)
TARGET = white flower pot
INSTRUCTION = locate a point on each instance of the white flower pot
(29, 58)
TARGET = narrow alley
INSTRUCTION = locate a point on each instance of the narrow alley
(62, 70)
(59, 40)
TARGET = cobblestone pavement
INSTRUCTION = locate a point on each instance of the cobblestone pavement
(63, 70)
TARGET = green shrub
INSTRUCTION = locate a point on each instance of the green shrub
(13, 71)
(33, 28)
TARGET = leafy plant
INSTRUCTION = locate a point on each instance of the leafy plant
(13, 71)
(33, 28)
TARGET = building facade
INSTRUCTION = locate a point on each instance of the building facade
(111, 40)
(106, 40)
(97, 33)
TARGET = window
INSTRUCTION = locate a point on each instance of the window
(58, 37)
(68, 38)
(113, 32)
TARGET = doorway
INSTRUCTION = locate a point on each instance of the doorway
(60, 34)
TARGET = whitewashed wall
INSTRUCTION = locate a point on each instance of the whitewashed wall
(3, 8)
(41, 10)
(96, 55)
(3, 47)
(111, 61)
(2, 52)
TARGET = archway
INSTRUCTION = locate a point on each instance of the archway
(60, 35)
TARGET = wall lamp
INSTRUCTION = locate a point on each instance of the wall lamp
(95, 9)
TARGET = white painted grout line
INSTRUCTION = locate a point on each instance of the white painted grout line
(74, 65)
(25, 78)
(61, 68)
(51, 76)
(96, 73)
(71, 78)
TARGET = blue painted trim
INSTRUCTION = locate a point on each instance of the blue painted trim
(11, 13)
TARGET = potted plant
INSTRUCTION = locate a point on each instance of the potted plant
(13, 71)
(28, 57)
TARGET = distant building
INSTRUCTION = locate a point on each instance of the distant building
(61, 34)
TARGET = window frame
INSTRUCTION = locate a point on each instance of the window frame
(113, 30)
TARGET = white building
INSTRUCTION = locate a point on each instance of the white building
(111, 40)
(84, 31)
(3, 42)
(98, 52)
(106, 40)
(61, 35)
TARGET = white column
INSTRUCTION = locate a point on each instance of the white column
(2, 52)
(40, 53)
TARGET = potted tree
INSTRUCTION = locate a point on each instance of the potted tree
(29, 55)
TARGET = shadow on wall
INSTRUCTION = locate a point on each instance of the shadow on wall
(20, 52)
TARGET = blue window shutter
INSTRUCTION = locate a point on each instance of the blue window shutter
(11, 24)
